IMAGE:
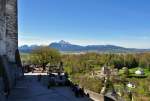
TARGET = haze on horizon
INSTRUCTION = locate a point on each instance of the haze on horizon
(85, 22)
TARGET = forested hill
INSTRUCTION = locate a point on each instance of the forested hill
(68, 47)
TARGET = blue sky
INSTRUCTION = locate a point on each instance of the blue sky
(116, 22)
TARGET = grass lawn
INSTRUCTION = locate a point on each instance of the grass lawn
(141, 92)
(132, 72)
(146, 71)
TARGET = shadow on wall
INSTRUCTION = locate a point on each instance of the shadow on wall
(107, 99)
(10, 73)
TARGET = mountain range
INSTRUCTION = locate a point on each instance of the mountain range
(67, 47)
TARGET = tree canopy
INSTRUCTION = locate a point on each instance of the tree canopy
(42, 56)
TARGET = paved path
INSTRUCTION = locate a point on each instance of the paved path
(29, 89)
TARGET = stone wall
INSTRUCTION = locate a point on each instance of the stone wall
(2, 96)
(11, 29)
(2, 28)
(8, 29)
(94, 96)
(9, 54)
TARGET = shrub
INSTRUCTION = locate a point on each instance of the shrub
(92, 84)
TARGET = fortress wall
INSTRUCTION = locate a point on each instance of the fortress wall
(2, 28)
(2, 96)
(11, 29)
(9, 53)
(8, 29)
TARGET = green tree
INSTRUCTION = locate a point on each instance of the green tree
(144, 60)
(45, 55)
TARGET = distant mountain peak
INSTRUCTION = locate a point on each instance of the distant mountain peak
(63, 42)
(64, 46)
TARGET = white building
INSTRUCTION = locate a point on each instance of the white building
(130, 85)
(139, 72)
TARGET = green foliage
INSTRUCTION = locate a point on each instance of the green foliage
(142, 86)
(89, 61)
(92, 84)
(76, 65)
(79, 66)
(42, 56)
(144, 60)
(68, 70)
(45, 55)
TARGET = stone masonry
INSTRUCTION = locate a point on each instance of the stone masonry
(9, 54)
(8, 28)
(2, 28)
(11, 29)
